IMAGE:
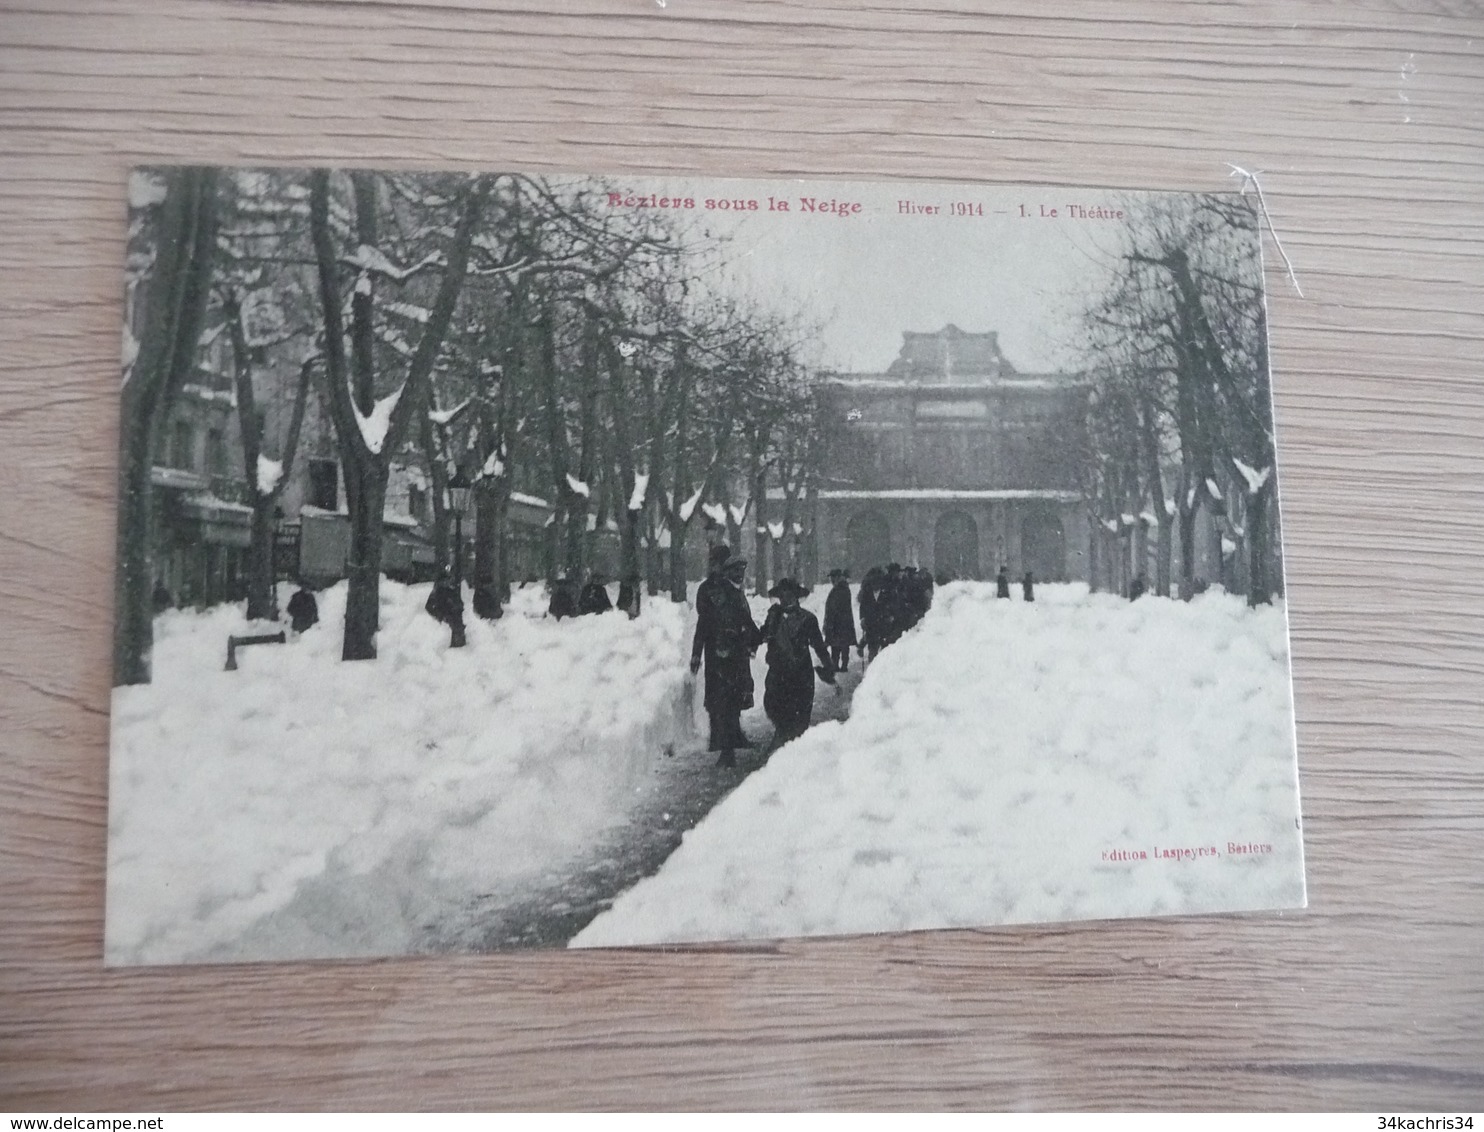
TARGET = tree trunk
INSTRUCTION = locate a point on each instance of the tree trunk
(486, 534)
(680, 484)
(262, 600)
(365, 494)
(759, 476)
(628, 518)
(367, 469)
(433, 448)
(174, 309)
(677, 562)
(1094, 558)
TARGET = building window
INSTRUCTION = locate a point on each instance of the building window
(182, 446)
(216, 452)
(324, 485)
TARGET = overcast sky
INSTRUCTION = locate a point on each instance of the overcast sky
(869, 276)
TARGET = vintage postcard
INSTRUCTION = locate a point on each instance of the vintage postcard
(517, 561)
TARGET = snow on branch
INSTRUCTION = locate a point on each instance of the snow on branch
(716, 512)
(269, 473)
(369, 259)
(641, 488)
(578, 487)
(373, 427)
(1255, 479)
(688, 508)
(446, 416)
(407, 310)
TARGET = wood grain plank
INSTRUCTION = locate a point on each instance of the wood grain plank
(1368, 119)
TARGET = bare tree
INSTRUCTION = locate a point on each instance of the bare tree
(172, 298)
(370, 429)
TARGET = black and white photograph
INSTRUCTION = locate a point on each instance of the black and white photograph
(515, 560)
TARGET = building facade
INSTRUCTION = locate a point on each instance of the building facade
(954, 461)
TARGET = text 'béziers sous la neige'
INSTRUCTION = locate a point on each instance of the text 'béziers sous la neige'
(831, 206)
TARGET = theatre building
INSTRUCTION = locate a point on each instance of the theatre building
(955, 461)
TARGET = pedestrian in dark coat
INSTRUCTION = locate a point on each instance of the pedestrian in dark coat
(839, 621)
(563, 599)
(303, 609)
(1002, 582)
(726, 637)
(892, 606)
(445, 603)
(790, 632)
(594, 597)
(1028, 587)
(1138, 587)
(870, 603)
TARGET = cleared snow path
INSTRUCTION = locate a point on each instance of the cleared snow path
(685, 786)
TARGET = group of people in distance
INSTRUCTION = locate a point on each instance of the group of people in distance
(892, 600)
(569, 601)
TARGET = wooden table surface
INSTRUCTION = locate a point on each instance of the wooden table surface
(1367, 120)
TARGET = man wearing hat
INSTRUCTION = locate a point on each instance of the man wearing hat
(839, 621)
(726, 637)
(790, 631)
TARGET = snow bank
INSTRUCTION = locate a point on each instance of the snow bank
(306, 807)
(1076, 758)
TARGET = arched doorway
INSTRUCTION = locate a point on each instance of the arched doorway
(956, 546)
(1043, 546)
(867, 542)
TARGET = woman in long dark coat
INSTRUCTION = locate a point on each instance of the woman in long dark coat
(790, 631)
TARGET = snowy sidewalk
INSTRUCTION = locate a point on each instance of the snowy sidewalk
(304, 807)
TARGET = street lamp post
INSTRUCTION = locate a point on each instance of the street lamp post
(458, 501)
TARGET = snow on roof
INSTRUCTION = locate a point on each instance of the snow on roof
(177, 477)
(528, 500)
(209, 502)
(1026, 384)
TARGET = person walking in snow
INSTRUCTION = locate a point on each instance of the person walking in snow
(918, 584)
(563, 598)
(1002, 582)
(303, 609)
(1138, 587)
(839, 621)
(870, 603)
(726, 637)
(1028, 587)
(891, 606)
(790, 632)
(594, 598)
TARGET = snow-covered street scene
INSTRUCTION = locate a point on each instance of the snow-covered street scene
(511, 562)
